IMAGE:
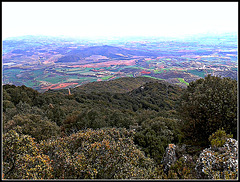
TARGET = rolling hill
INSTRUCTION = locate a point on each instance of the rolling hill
(105, 50)
(120, 85)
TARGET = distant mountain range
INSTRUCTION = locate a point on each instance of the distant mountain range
(105, 50)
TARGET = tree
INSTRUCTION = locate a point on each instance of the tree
(155, 134)
(7, 101)
(34, 125)
(107, 153)
(218, 138)
(22, 158)
(20, 93)
(220, 161)
(97, 118)
(207, 105)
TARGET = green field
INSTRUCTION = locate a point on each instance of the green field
(152, 77)
(37, 73)
(183, 81)
(199, 73)
(130, 75)
(107, 77)
(30, 83)
(54, 80)
(10, 74)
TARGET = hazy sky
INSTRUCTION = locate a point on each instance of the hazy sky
(88, 19)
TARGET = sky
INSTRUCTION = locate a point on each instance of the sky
(109, 19)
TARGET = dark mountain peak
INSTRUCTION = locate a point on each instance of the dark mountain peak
(104, 50)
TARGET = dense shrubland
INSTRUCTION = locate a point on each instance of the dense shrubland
(111, 133)
(207, 105)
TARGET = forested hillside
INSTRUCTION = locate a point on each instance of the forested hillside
(120, 85)
(120, 129)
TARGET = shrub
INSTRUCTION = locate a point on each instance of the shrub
(98, 154)
(22, 158)
(221, 161)
(218, 138)
(207, 105)
(154, 135)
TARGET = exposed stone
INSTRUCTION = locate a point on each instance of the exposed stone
(169, 157)
(219, 163)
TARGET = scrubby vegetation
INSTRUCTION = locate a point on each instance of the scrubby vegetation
(207, 105)
(120, 131)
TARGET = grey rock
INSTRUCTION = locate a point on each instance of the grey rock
(219, 163)
(169, 157)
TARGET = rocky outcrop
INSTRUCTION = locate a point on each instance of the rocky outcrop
(169, 157)
(219, 163)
